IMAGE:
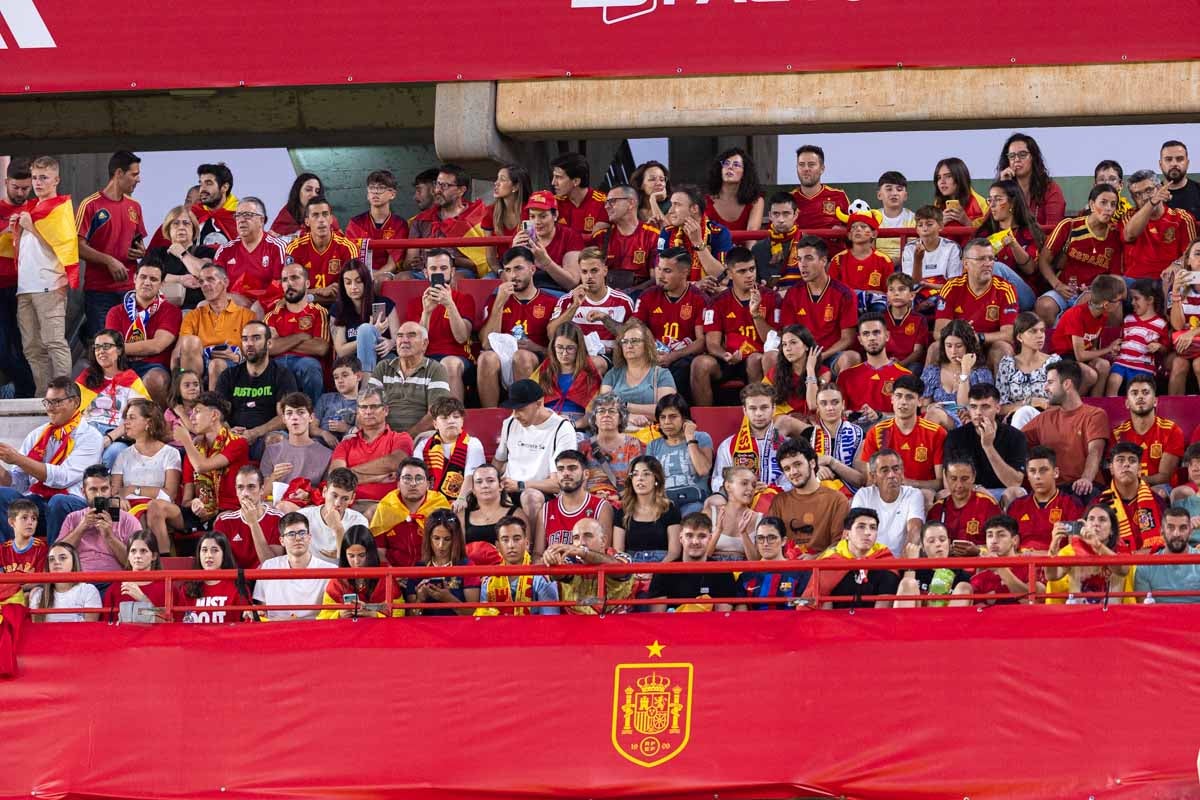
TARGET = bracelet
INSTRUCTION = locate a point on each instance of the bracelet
(693, 441)
(810, 380)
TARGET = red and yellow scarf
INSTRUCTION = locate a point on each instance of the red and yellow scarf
(789, 267)
(208, 484)
(821, 446)
(829, 578)
(500, 590)
(676, 237)
(447, 476)
(62, 434)
(1138, 523)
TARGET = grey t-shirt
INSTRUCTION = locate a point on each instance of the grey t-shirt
(683, 483)
(307, 462)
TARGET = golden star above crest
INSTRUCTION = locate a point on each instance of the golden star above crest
(655, 649)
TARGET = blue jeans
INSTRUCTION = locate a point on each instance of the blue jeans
(367, 338)
(309, 375)
(51, 513)
(1025, 295)
(109, 457)
(12, 356)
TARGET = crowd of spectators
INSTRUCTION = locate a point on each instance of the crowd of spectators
(251, 396)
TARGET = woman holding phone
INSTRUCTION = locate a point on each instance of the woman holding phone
(363, 324)
(443, 546)
(368, 596)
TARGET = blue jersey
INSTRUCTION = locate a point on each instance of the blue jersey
(772, 584)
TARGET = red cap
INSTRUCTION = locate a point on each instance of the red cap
(865, 219)
(543, 200)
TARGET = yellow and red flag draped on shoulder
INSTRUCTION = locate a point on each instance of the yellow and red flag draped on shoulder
(830, 578)
(399, 531)
(54, 221)
(124, 386)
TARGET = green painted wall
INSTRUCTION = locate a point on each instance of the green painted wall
(344, 172)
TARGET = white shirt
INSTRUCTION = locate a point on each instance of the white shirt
(298, 591)
(81, 595)
(893, 517)
(38, 269)
(942, 264)
(530, 452)
(69, 474)
(323, 537)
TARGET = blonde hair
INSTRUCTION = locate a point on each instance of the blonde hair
(174, 214)
(648, 348)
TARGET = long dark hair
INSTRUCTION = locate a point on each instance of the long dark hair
(1039, 178)
(360, 534)
(473, 504)
(93, 377)
(1022, 218)
(788, 380)
(151, 542)
(523, 184)
(749, 188)
(345, 313)
(195, 589)
(444, 518)
(638, 178)
(963, 330)
(293, 205)
(962, 177)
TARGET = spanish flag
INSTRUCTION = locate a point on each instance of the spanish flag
(125, 385)
(54, 221)
(398, 531)
(829, 578)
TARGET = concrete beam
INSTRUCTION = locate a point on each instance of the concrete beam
(466, 134)
(847, 101)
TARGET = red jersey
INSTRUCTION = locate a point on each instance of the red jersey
(862, 385)
(566, 240)
(324, 266)
(489, 223)
(731, 317)
(1164, 438)
(825, 315)
(109, 226)
(920, 450)
(31, 559)
(363, 227)
(441, 338)
(862, 274)
(311, 319)
(156, 594)
(1036, 520)
(616, 304)
(636, 253)
(987, 312)
(1162, 241)
(241, 541)
(905, 334)
(558, 524)
(252, 270)
(966, 522)
(8, 265)
(741, 223)
(531, 315)
(1087, 254)
(672, 321)
(820, 211)
(238, 453)
(1077, 320)
(168, 317)
(582, 218)
(209, 607)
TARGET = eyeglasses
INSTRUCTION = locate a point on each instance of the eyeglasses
(53, 402)
(768, 538)
(1019, 155)
(413, 479)
(612, 200)
(101, 347)
(731, 164)
(370, 406)
(248, 215)
(294, 535)
(379, 188)
(181, 223)
(607, 411)
(445, 186)
(565, 348)
(627, 342)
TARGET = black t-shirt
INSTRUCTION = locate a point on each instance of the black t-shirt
(175, 266)
(925, 577)
(878, 581)
(254, 399)
(641, 535)
(1187, 198)
(350, 321)
(1010, 444)
(681, 585)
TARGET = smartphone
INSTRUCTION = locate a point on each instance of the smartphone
(378, 310)
(953, 204)
(437, 279)
(962, 543)
(114, 508)
(350, 599)
(529, 231)
(1189, 278)
(1075, 528)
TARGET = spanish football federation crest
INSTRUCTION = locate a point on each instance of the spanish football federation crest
(652, 710)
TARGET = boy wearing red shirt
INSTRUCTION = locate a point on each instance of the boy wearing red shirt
(673, 310)
(828, 308)
(378, 222)
(919, 442)
(861, 267)
(580, 207)
(252, 530)
(23, 553)
(1161, 439)
(867, 387)
(965, 510)
(1038, 512)
(908, 331)
(1003, 539)
(1077, 334)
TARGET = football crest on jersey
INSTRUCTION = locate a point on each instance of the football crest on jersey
(335, 266)
(304, 323)
(539, 312)
(993, 313)
(1169, 235)
(685, 312)
(828, 207)
(922, 454)
(133, 215)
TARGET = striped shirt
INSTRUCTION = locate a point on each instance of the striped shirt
(1136, 337)
(408, 397)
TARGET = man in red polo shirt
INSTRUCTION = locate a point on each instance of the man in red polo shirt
(987, 303)
(966, 509)
(1155, 234)
(580, 207)
(1161, 440)
(630, 246)
(919, 442)
(112, 234)
(1077, 334)
(828, 308)
(867, 386)
(373, 453)
(299, 332)
(322, 251)
(18, 185)
(673, 310)
(449, 317)
(816, 204)
(378, 222)
(150, 326)
(555, 247)
(1038, 512)
(255, 259)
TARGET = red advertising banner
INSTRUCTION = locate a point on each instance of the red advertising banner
(67, 46)
(987, 703)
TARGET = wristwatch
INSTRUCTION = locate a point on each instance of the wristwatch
(694, 441)
(520, 486)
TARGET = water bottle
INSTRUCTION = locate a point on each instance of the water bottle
(518, 331)
(1149, 598)
(942, 583)
(661, 347)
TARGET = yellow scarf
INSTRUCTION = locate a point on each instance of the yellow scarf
(499, 590)
(62, 433)
(208, 484)
(1148, 518)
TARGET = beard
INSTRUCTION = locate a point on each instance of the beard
(1177, 546)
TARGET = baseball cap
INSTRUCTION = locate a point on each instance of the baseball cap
(522, 393)
(542, 200)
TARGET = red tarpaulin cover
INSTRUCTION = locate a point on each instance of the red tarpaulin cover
(67, 46)
(1019, 702)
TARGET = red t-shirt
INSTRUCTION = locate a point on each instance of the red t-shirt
(238, 453)
(966, 522)
(311, 319)
(920, 449)
(731, 317)
(566, 240)
(905, 334)
(33, 559)
(363, 227)
(324, 266)
(1036, 520)
(241, 541)
(355, 451)
(109, 226)
(1077, 320)
(532, 315)
(825, 315)
(168, 317)
(862, 274)
(636, 253)
(254, 270)
(673, 322)
(987, 312)
(1164, 438)
(558, 524)
(862, 385)
(616, 304)
(209, 606)
(820, 211)
(155, 591)
(1162, 241)
(582, 218)
(1087, 255)
(441, 338)
(8, 265)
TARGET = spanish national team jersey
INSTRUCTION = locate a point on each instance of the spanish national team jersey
(825, 315)
(324, 266)
(109, 226)
(1088, 255)
(636, 253)
(311, 319)
(1164, 438)
(31, 559)
(618, 306)
(820, 211)
(559, 524)
(920, 449)
(673, 322)
(987, 312)
(731, 316)
(862, 274)
(862, 385)
(526, 317)
(252, 270)
(363, 227)
(1036, 520)
(1162, 241)
(582, 218)
(905, 334)
(1078, 320)
(966, 522)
